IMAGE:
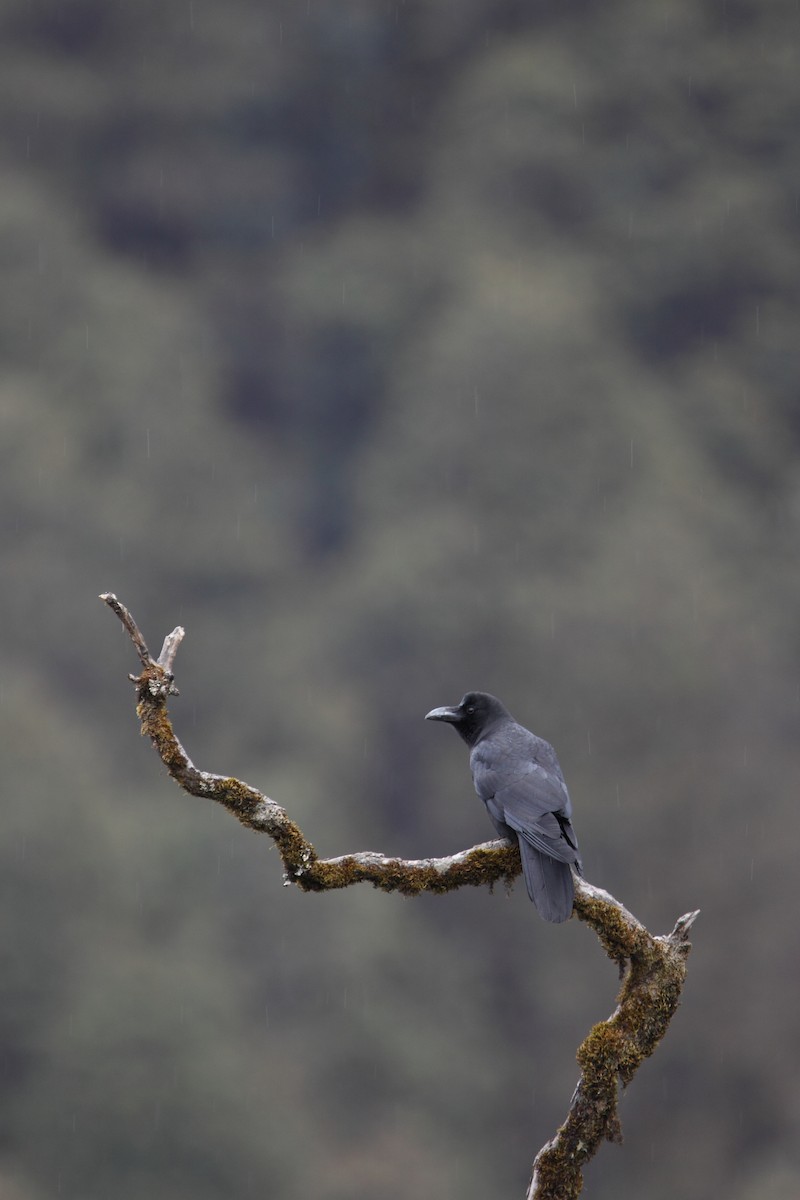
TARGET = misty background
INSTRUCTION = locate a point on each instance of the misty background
(394, 350)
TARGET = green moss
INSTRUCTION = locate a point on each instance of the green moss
(599, 1054)
(393, 875)
(618, 938)
(558, 1175)
(151, 690)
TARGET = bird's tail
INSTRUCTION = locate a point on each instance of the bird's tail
(549, 883)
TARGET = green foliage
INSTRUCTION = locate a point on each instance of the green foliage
(393, 352)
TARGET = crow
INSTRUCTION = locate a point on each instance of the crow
(517, 776)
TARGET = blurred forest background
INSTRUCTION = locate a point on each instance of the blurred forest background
(395, 350)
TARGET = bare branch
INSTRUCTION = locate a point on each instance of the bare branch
(130, 625)
(653, 969)
(170, 648)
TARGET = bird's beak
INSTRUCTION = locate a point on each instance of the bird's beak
(443, 714)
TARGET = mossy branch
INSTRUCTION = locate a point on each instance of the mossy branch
(653, 972)
(653, 969)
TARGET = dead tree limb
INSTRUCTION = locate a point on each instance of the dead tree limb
(653, 969)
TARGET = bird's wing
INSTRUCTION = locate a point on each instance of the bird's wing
(536, 806)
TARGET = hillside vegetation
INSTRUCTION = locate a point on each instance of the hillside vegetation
(394, 351)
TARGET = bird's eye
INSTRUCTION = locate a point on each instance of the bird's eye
(470, 708)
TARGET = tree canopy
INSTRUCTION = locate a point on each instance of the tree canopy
(394, 351)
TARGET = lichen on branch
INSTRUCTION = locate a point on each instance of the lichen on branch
(653, 969)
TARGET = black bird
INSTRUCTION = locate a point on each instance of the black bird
(517, 776)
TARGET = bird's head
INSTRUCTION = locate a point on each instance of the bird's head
(473, 716)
